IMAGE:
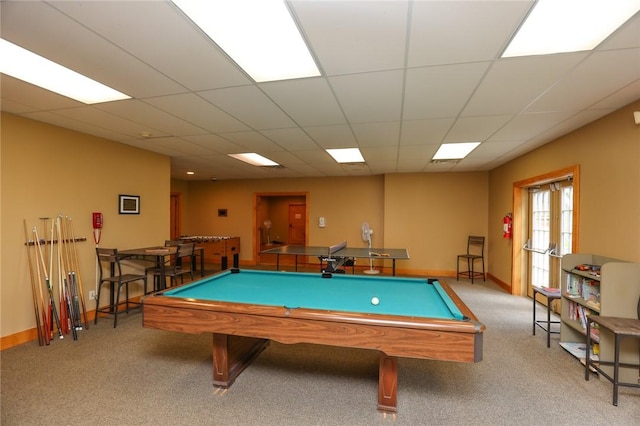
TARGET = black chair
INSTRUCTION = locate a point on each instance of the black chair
(619, 327)
(116, 280)
(475, 252)
(176, 267)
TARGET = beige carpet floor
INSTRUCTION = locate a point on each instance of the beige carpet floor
(136, 376)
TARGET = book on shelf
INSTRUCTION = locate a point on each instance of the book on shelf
(579, 350)
(594, 305)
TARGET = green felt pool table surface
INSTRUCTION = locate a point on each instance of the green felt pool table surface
(350, 293)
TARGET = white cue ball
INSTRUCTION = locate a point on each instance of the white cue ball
(375, 300)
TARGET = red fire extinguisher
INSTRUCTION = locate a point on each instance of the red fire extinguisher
(506, 226)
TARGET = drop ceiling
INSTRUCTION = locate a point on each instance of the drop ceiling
(398, 79)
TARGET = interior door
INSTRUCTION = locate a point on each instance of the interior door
(297, 224)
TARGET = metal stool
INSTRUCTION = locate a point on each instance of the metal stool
(620, 327)
(545, 324)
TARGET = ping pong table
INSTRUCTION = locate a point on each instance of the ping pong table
(337, 255)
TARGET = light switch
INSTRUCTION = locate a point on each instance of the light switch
(321, 222)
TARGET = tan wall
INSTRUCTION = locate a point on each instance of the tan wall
(607, 152)
(433, 214)
(429, 214)
(47, 171)
(344, 202)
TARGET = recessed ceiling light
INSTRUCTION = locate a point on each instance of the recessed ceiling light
(454, 151)
(34, 69)
(254, 159)
(346, 155)
(556, 26)
(259, 35)
(191, 173)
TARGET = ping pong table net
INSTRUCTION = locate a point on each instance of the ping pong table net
(337, 247)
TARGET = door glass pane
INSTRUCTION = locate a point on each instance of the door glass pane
(566, 219)
(540, 238)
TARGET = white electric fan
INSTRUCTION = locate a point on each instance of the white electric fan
(267, 224)
(366, 237)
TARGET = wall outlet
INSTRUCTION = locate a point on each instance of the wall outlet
(92, 295)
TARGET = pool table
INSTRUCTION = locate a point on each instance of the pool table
(244, 309)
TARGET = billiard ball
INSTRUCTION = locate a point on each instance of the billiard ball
(375, 300)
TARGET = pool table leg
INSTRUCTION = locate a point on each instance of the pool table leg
(388, 383)
(231, 355)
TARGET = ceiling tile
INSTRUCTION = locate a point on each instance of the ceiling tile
(475, 129)
(502, 90)
(440, 91)
(292, 139)
(249, 105)
(449, 32)
(308, 101)
(194, 109)
(369, 97)
(594, 80)
(417, 132)
(377, 134)
(332, 136)
(355, 36)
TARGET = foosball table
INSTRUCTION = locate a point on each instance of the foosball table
(217, 249)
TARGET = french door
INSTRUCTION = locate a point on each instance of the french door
(550, 233)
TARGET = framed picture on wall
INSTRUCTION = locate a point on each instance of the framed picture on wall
(129, 204)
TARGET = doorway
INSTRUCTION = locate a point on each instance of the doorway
(175, 216)
(550, 232)
(523, 228)
(279, 219)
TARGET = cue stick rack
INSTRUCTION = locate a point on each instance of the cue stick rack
(68, 313)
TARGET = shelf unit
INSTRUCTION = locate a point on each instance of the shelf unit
(614, 292)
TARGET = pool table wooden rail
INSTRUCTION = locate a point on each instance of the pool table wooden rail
(410, 337)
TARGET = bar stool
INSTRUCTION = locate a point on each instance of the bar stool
(116, 280)
(545, 324)
(475, 251)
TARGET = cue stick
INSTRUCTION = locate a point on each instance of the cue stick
(65, 282)
(33, 287)
(52, 302)
(53, 299)
(69, 283)
(45, 312)
(61, 277)
(79, 276)
(45, 223)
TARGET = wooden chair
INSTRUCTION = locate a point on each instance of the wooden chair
(116, 280)
(475, 252)
(620, 327)
(177, 267)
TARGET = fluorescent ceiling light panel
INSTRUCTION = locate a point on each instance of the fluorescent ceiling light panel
(556, 26)
(454, 151)
(254, 159)
(346, 155)
(259, 35)
(34, 69)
